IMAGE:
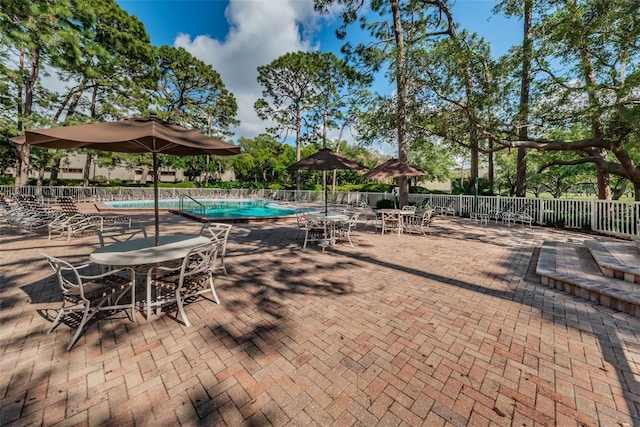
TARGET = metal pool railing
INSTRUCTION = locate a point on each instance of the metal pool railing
(610, 217)
(187, 196)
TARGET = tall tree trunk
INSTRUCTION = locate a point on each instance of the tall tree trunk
(604, 181)
(207, 174)
(144, 174)
(86, 170)
(525, 89)
(344, 124)
(55, 171)
(41, 167)
(401, 106)
(597, 123)
(24, 150)
(474, 159)
(491, 172)
(298, 149)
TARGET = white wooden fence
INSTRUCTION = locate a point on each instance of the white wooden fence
(614, 218)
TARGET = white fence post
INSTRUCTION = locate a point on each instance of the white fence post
(594, 215)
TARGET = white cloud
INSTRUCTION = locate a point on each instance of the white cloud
(259, 32)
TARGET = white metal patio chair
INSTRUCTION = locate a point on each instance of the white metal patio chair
(91, 294)
(115, 235)
(391, 221)
(420, 222)
(300, 222)
(219, 232)
(192, 278)
(315, 231)
(348, 229)
(369, 216)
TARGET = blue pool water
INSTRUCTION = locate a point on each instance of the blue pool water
(214, 208)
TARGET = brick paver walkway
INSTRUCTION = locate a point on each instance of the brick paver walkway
(450, 329)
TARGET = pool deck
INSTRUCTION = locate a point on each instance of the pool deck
(451, 329)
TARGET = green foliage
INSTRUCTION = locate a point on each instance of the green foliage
(192, 93)
(385, 204)
(8, 153)
(484, 188)
(288, 92)
(307, 94)
(264, 159)
(184, 184)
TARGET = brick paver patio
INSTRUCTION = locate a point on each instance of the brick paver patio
(450, 329)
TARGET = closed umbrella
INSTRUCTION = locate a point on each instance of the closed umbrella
(135, 135)
(325, 160)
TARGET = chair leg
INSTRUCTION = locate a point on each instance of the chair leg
(223, 266)
(349, 238)
(83, 322)
(148, 307)
(213, 290)
(133, 300)
(181, 309)
(58, 318)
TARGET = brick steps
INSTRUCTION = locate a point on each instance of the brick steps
(602, 272)
(618, 259)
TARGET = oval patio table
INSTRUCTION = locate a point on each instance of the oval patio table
(143, 251)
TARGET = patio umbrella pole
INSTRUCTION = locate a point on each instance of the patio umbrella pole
(326, 192)
(155, 196)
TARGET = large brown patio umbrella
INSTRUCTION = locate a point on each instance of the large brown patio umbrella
(393, 168)
(135, 135)
(325, 160)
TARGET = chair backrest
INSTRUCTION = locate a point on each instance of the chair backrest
(67, 205)
(68, 276)
(426, 216)
(200, 260)
(219, 232)
(390, 220)
(353, 221)
(389, 216)
(300, 217)
(120, 235)
(314, 223)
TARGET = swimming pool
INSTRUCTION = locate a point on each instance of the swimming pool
(239, 210)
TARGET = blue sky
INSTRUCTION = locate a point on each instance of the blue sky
(237, 36)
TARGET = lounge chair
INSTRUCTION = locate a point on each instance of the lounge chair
(75, 225)
(28, 215)
(68, 206)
